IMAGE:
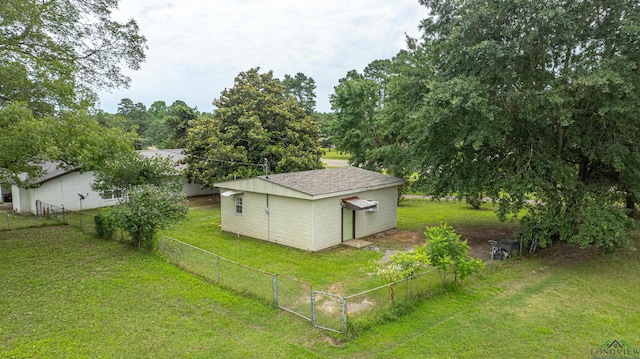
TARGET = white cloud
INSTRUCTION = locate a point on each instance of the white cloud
(197, 47)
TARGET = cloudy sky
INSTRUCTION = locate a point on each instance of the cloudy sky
(197, 47)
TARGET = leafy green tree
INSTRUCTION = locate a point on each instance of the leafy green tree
(128, 170)
(375, 113)
(537, 100)
(326, 120)
(135, 115)
(152, 200)
(149, 208)
(178, 120)
(254, 120)
(445, 251)
(158, 110)
(72, 138)
(170, 130)
(355, 130)
(109, 120)
(53, 54)
(303, 88)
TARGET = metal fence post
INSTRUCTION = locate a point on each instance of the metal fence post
(343, 315)
(218, 269)
(313, 308)
(275, 290)
(180, 253)
(8, 226)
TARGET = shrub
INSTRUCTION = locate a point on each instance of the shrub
(105, 225)
(445, 251)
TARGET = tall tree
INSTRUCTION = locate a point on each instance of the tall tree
(356, 103)
(178, 120)
(170, 130)
(374, 112)
(135, 115)
(158, 110)
(537, 99)
(303, 88)
(53, 54)
(254, 120)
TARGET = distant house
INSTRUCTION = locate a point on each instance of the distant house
(310, 210)
(62, 188)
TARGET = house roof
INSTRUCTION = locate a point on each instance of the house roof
(322, 182)
(174, 154)
(52, 170)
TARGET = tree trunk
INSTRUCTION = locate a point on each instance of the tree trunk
(631, 205)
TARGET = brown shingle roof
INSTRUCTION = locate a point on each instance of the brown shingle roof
(331, 180)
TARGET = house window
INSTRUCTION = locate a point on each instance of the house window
(238, 204)
(115, 194)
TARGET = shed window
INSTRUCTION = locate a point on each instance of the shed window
(238, 204)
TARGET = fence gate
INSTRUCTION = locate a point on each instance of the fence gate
(329, 311)
(294, 296)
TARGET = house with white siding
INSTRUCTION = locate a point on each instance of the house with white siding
(310, 210)
(67, 188)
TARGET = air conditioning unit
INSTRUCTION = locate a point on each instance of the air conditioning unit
(375, 208)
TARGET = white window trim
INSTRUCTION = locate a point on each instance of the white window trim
(238, 206)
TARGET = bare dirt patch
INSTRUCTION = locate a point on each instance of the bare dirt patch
(395, 240)
(558, 254)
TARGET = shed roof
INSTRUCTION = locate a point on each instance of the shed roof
(323, 182)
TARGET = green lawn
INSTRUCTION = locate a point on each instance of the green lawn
(344, 265)
(335, 155)
(416, 214)
(64, 294)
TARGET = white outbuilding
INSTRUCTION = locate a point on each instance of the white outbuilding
(310, 210)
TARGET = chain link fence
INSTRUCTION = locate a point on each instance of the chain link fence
(328, 311)
(10, 221)
(324, 310)
(45, 215)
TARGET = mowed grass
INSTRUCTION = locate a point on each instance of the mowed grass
(65, 294)
(335, 155)
(416, 214)
(341, 270)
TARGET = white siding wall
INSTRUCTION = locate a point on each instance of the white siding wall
(304, 224)
(253, 220)
(327, 221)
(194, 189)
(20, 199)
(290, 222)
(368, 223)
(62, 191)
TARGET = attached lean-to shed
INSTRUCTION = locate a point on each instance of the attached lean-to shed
(310, 210)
